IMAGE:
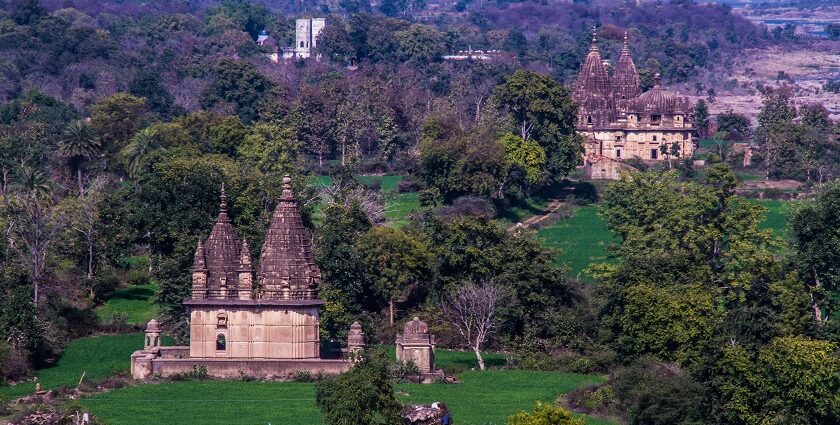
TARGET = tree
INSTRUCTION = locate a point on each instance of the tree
(115, 119)
(774, 122)
(238, 83)
(83, 217)
(345, 289)
(545, 414)
(420, 44)
(735, 126)
(77, 143)
(148, 84)
(527, 156)
(33, 224)
(139, 148)
(701, 118)
(543, 110)
(791, 380)
(815, 235)
(472, 311)
(364, 395)
(397, 263)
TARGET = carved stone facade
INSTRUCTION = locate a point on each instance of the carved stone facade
(417, 345)
(263, 327)
(619, 122)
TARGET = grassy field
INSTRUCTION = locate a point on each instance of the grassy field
(398, 206)
(483, 398)
(583, 238)
(97, 356)
(136, 302)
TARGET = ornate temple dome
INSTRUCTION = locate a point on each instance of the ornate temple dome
(416, 330)
(625, 79)
(287, 265)
(221, 250)
(658, 100)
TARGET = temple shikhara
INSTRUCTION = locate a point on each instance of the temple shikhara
(618, 121)
(260, 322)
(263, 327)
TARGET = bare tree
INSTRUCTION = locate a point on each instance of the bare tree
(33, 223)
(472, 309)
(370, 201)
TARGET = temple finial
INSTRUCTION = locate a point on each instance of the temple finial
(287, 188)
(223, 199)
(657, 80)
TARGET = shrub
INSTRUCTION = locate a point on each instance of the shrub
(303, 376)
(364, 395)
(13, 363)
(138, 277)
(545, 414)
(408, 185)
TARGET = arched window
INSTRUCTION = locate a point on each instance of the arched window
(589, 119)
(221, 342)
(301, 44)
(654, 138)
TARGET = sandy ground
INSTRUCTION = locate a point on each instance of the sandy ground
(809, 69)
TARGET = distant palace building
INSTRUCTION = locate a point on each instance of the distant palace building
(306, 39)
(620, 122)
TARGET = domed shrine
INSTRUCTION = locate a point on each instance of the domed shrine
(264, 322)
(618, 121)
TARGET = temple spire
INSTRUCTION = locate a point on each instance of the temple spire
(594, 47)
(245, 257)
(199, 263)
(223, 200)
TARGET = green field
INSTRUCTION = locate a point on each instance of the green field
(398, 206)
(97, 357)
(583, 238)
(483, 398)
(136, 302)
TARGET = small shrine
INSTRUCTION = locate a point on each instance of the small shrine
(417, 345)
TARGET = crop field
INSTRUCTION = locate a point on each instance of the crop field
(487, 397)
(136, 302)
(97, 357)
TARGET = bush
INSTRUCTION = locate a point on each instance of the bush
(409, 185)
(364, 395)
(402, 370)
(303, 376)
(138, 277)
(14, 364)
(104, 284)
(545, 414)
(198, 372)
(469, 205)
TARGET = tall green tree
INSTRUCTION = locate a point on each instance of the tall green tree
(701, 118)
(78, 142)
(396, 261)
(542, 109)
(815, 234)
(138, 148)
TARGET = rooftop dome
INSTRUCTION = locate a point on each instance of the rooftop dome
(153, 326)
(658, 100)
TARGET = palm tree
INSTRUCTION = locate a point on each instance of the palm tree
(78, 142)
(141, 145)
(32, 182)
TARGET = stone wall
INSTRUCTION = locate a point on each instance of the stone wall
(145, 364)
(252, 332)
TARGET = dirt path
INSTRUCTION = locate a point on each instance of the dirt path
(551, 208)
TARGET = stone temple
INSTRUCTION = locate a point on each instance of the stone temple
(266, 327)
(620, 122)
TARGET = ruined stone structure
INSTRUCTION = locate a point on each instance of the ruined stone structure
(268, 327)
(417, 345)
(306, 39)
(618, 121)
